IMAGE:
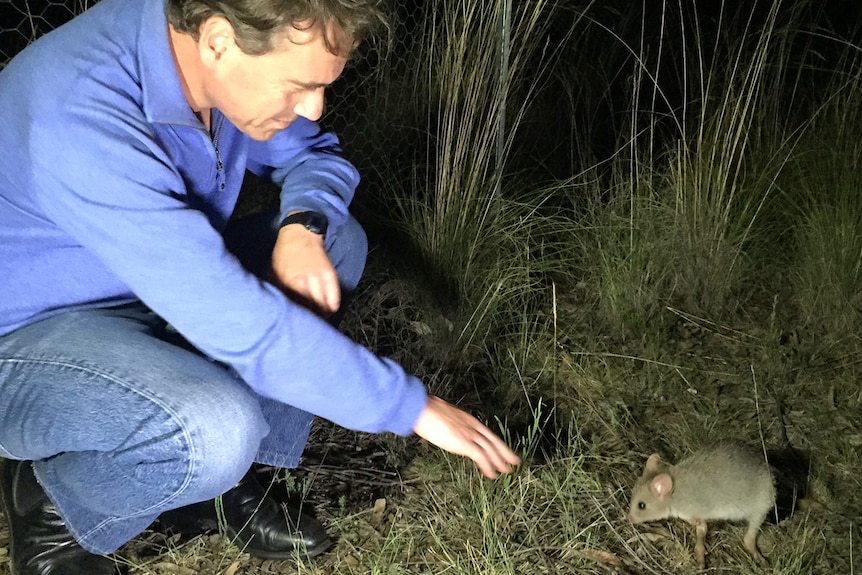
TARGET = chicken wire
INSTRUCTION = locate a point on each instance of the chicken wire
(349, 101)
(22, 21)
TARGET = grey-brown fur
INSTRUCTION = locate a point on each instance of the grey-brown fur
(722, 483)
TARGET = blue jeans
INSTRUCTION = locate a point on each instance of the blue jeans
(124, 420)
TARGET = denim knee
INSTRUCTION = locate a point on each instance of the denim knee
(348, 250)
(225, 433)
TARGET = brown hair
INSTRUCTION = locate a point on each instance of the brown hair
(260, 24)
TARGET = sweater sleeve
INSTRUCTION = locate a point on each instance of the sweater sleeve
(105, 181)
(306, 164)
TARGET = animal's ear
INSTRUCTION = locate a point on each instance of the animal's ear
(654, 464)
(661, 485)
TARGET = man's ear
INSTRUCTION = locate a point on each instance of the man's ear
(216, 38)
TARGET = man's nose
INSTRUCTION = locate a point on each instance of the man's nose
(311, 106)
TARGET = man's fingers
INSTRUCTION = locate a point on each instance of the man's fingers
(459, 432)
(500, 447)
(492, 464)
(303, 270)
(321, 293)
(499, 454)
(499, 457)
(332, 294)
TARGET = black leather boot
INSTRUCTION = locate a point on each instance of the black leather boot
(255, 522)
(39, 543)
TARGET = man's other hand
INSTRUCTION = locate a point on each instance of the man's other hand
(302, 269)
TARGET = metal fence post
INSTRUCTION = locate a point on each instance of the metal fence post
(505, 28)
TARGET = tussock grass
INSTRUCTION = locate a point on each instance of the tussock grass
(824, 188)
(678, 228)
(481, 235)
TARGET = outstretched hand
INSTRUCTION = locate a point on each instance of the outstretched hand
(458, 432)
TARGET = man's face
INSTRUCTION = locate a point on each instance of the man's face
(262, 95)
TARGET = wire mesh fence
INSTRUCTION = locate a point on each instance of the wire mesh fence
(359, 105)
(23, 21)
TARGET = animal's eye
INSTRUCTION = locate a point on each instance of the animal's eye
(641, 505)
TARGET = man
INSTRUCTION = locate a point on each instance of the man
(149, 352)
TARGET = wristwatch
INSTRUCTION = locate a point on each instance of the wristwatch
(313, 221)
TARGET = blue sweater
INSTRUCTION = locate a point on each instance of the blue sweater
(110, 192)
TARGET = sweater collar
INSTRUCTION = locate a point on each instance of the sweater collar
(163, 98)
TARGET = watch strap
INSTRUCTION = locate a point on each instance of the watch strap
(312, 221)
